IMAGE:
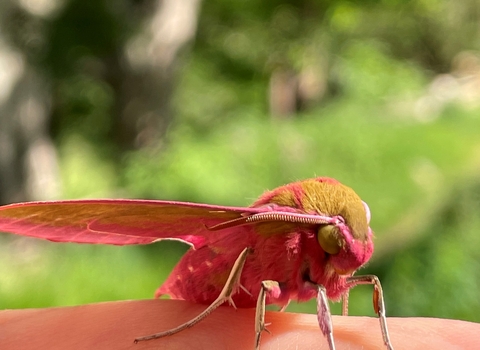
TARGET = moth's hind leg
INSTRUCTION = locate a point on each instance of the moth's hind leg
(233, 282)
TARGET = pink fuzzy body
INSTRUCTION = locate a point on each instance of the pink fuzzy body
(295, 259)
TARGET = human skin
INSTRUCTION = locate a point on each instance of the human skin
(114, 325)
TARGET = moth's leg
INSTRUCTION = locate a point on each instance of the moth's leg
(284, 307)
(229, 288)
(345, 303)
(324, 316)
(268, 288)
(378, 302)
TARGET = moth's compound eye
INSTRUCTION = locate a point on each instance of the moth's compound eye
(367, 210)
(329, 239)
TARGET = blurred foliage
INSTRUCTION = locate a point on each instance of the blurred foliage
(417, 168)
(446, 260)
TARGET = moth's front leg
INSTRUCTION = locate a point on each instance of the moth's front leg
(324, 316)
(378, 302)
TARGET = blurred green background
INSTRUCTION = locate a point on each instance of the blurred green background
(216, 102)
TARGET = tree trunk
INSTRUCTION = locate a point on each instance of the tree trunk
(28, 161)
(150, 62)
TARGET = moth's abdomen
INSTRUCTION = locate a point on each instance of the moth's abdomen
(200, 276)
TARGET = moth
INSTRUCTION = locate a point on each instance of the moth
(299, 241)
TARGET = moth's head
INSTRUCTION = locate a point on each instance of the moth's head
(349, 241)
(347, 252)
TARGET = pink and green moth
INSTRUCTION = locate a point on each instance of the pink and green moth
(299, 241)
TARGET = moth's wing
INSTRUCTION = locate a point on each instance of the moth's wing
(118, 222)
